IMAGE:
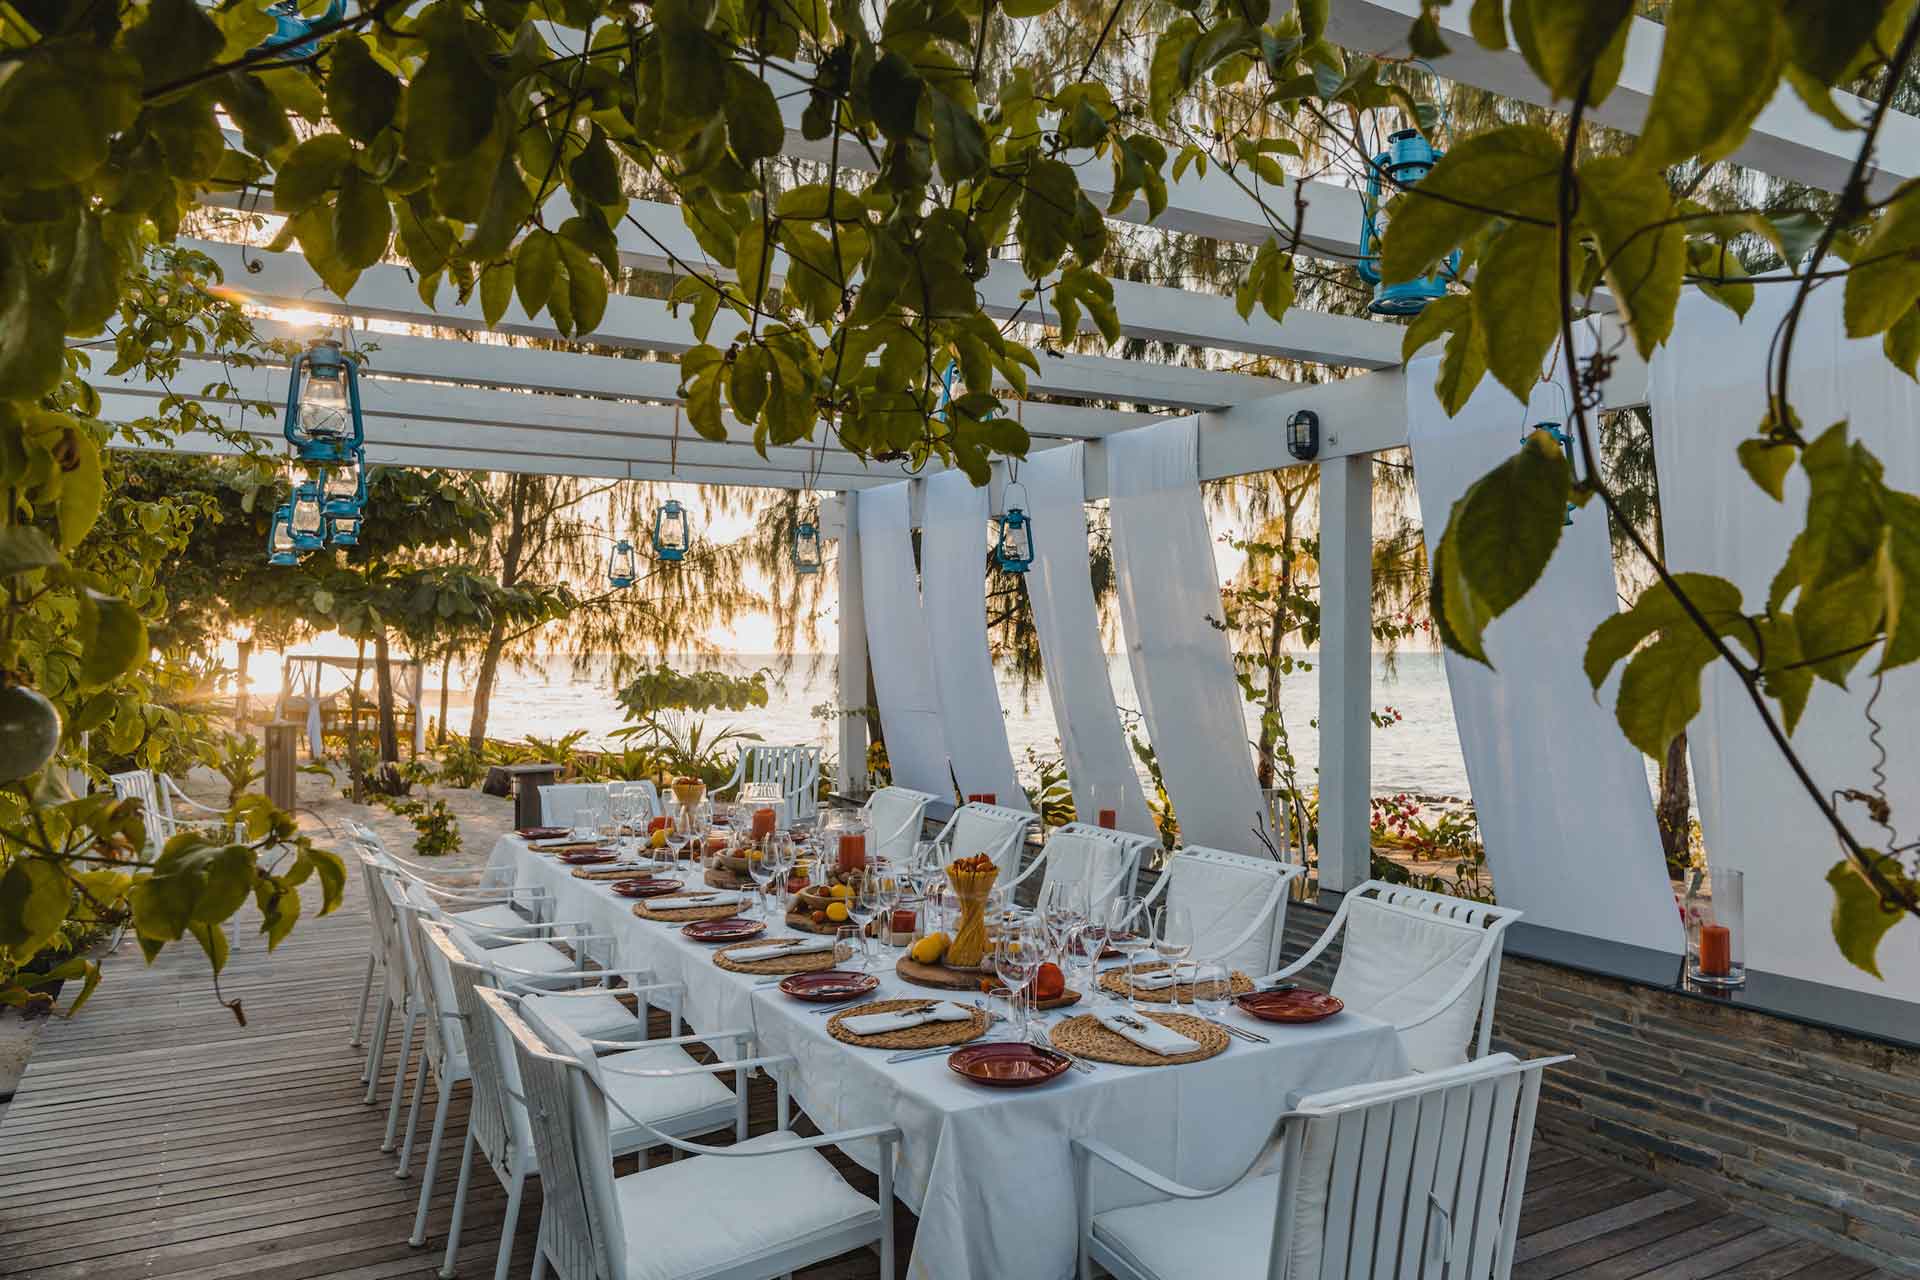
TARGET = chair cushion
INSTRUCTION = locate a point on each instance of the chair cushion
(499, 916)
(686, 1219)
(659, 1102)
(1222, 899)
(597, 1017)
(1225, 1237)
(1395, 965)
(531, 957)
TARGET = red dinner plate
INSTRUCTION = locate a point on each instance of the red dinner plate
(542, 833)
(645, 887)
(829, 986)
(731, 929)
(588, 857)
(1007, 1066)
(1289, 1006)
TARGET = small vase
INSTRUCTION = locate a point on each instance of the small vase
(1715, 913)
(969, 945)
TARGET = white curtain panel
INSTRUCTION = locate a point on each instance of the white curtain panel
(1562, 796)
(953, 559)
(1169, 596)
(1060, 591)
(1707, 394)
(897, 643)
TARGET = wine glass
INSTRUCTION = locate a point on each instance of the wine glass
(1173, 936)
(1017, 956)
(761, 865)
(868, 900)
(1127, 933)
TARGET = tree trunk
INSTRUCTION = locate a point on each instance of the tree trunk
(446, 664)
(383, 684)
(240, 700)
(353, 727)
(1676, 799)
(511, 552)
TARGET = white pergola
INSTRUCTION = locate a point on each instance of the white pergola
(470, 402)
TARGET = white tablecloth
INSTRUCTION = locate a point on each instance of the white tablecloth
(990, 1171)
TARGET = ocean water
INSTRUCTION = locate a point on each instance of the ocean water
(1419, 753)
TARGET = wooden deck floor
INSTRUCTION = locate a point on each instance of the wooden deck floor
(154, 1137)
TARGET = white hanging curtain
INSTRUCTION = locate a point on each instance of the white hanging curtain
(953, 560)
(1169, 595)
(1060, 591)
(897, 644)
(1561, 795)
(1708, 392)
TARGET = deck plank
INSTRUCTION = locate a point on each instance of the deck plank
(157, 1139)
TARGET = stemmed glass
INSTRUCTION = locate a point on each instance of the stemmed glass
(1127, 933)
(761, 865)
(871, 896)
(1017, 956)
(1173, 936)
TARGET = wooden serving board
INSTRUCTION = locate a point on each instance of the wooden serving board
(939, 975)
(721, 878)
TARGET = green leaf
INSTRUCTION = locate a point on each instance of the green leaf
(213, 940)
(1464, 362)
(1860, 917)
(1645, 263)
(1164, 79)
(1880, 295)
(81, 493)
(1563, 39)
(1845, 518)
(1515, 169)
(1902, 343)
(1499, 537)
(586, 288)
(1516, 307)
(1838, 620)
(1027, 8)
(24, 548)
(34, 900)
(93, 266)
(536, 265)
(1720, 275)
(1823, 39)
(310, 171)
(496, 291)
(1488, 23)
(959, 143)
(362, 96)
(175, 39)
(754, 126)
(1768, 462)
(1660, 690)
(32, 341)
(1658, 609)
(450, 104)
(112, 638)
(1719, 65)
(893, 95)
(1900, 568)
(747, 385)
(263, 122)
(362, 220)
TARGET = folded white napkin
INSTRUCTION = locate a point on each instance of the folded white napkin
(562, 842)
(801, 947)
(1154, 1038)
(684, 901)
(639, 864)
(1158, 980)
(872, 1024)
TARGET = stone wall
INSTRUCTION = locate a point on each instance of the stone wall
(1816, 1132)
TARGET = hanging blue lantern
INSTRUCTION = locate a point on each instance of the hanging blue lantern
(671, 535)
(281, 551)
(1013, 541)
(323, 405)
(621, 569)
(1559, 433)
(308, 518)
(806, 546)
(288, 24)
(1407, 159)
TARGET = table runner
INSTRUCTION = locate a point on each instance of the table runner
(990, 1173)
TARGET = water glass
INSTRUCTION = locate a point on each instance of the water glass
(760, 865)
(1210, 991)
(1017, 956)
(1127, 933)
(846, 944)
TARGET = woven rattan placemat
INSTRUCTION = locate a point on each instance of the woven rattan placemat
(686, 915)
(924, 1036)
(811, 962)
(616, 873)
(1115, 981)
(1085, 1037)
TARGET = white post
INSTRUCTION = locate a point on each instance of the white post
(853, 646)
(1346, 669)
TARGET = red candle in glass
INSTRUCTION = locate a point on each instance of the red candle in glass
(903, 920)
(853, 851)
(1716, 950)
(1109, 819)
(762, 823)
(659, 824)
(983, 797)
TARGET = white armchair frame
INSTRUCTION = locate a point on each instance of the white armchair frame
(1274, 908)
(1005, 851)
(795, 769)
(161, 804)
(917, 802)
(1128, 847)
(1493, 922)
(571, 1237)
(1447, 1151)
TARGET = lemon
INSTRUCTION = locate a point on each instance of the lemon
(841, 891)
(837, 912)
(929, 949)
(658, 840)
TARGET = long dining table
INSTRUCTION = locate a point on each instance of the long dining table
(988, 1171)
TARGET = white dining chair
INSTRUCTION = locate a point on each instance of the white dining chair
(166, 810)
(645, 795)
(1109, 860)
(1427, 963)
(781, 1208)
(1412, 1179)
(592, 1009)
(895, 817)
(992, 829)
(794, 769)
(1236, 903)
(574, 804)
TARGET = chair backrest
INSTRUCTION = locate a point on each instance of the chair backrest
(582, 1231)
(386, 929)
(1416, 1179)
(1238, 905)
(505, 1133)
(1077, 851)
(446, 1042)
(995, 830)
(896, 815)
(137, 784)
(1427, 963)
(573, 804)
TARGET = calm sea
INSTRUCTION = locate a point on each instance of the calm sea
(1420, 753)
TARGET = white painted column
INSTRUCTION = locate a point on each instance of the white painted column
(852, 728)
(1346, 669)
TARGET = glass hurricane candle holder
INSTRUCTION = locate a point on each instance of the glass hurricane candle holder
(1716, 928)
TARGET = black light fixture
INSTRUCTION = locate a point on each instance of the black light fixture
(1303, 435)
